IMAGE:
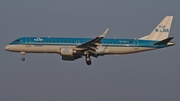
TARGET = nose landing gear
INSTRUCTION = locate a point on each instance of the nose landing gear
(23, 59)
(23, 54)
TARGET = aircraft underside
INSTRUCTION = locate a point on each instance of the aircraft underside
(70, 54)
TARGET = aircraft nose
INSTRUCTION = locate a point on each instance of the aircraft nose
(7, 47)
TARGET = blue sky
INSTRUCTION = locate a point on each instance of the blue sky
(152, 76)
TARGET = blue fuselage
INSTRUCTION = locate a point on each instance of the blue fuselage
(78, 41)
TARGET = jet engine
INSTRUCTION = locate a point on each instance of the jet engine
(68, 53)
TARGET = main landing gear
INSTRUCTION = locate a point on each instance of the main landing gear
(88, 59)
(23, 54)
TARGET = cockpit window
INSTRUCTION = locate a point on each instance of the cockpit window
(17, 41)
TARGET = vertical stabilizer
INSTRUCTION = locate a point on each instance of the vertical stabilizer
(161, 31)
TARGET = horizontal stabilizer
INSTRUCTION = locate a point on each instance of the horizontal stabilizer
(165, 41)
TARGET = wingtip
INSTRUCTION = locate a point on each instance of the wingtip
(105, 32)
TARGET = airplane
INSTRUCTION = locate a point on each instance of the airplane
(74, 48)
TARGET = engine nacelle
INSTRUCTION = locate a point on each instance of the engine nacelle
(67, 51)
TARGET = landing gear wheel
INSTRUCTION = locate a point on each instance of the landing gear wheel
(23, 54)
(87, 58)
(88, 62)
(23, 59)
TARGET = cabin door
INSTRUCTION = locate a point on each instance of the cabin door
(136, 43)
(28, 42)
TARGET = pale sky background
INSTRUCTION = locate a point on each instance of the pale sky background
(148, 76)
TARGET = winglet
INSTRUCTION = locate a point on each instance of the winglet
(104, 34)
(165, 41)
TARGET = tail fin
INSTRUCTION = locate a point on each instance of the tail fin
(161, 31)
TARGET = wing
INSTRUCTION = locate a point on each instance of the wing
(91, 45)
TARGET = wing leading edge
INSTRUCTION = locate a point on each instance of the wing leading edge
(91, 45)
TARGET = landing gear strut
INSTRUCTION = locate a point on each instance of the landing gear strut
(23, 54)
(88, 59)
